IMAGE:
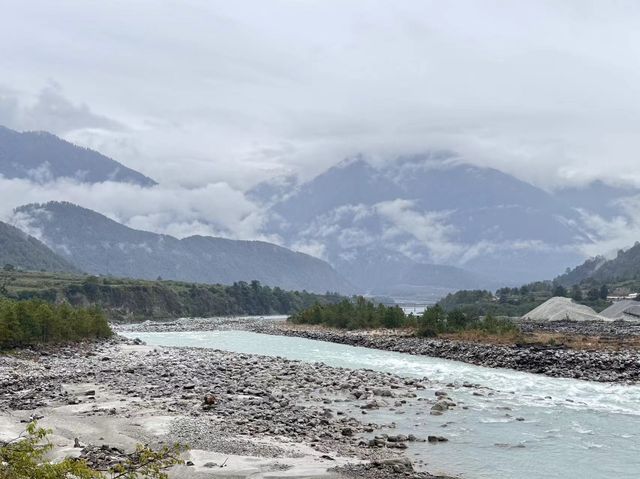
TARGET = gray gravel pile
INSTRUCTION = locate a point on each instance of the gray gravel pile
(563, 309)
(626, 310)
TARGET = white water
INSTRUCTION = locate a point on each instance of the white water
(571, 428)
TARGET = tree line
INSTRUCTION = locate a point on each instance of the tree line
(28, 322)
(359, 313)
(133, 300)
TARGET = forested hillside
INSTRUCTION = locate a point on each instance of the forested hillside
(101, 246)
(131, 300)
(625, 266)
(21, 251)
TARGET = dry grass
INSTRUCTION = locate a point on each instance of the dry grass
(578, 341)
(477, 336)
(570, 341)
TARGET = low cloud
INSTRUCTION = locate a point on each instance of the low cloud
(611, 235)
(215, 209)
(313, 248)
(429, 228)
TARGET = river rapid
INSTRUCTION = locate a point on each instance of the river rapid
(510, 425)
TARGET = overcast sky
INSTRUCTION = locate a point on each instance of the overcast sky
(193, 92)
(210, 97)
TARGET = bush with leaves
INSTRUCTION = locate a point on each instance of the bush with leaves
(25, 458)
(432, 322)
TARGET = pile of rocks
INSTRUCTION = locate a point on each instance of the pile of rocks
(222, 401)
(611, 329)
(384, 468)
(103, 457)
(232, 323)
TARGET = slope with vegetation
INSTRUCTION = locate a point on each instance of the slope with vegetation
(21, 251)
(624, 267)
(135, 300)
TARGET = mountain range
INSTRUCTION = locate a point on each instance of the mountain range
(417, 226)
(395, 226)
(99, 245)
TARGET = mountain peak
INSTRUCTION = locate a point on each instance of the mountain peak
(376, 222)
(41, 156)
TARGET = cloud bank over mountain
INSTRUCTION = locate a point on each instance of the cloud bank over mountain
(238, 92)
(211, 98)
(214, 209)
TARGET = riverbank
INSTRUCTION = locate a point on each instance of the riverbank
(610, 360)
(252, 414)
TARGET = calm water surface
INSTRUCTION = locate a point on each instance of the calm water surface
(571, 428)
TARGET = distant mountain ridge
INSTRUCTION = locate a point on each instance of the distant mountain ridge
(423, 224)
(99, 245)
(42, 157)
(27, 253)
(377, 223)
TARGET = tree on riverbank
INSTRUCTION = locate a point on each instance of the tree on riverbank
(30, 322)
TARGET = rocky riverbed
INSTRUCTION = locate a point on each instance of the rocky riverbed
(622, 365)
(240, 414)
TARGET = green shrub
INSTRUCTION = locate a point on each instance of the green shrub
(492, 325)
(432, 322)
(23, 458)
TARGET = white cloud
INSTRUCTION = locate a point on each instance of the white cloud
(313, 248)
(611, 235)
(215, 209)
(212, 91)
(429, 228)
(50, 111)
